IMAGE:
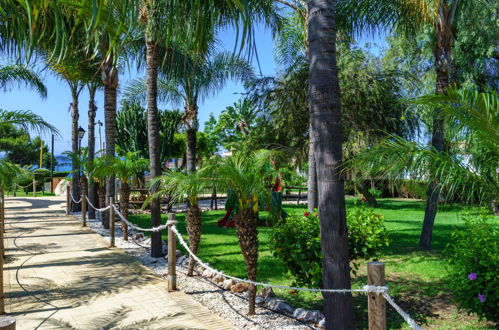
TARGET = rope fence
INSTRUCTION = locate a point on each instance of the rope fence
(375, 290)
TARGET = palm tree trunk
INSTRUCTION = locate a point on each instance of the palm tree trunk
(312, 197)
(124, 201)
(369, 197)
(191, 124)
(246, 223)
(444, 71)
(154, 142)
(194, 228)
(101, 193)
(92, 109)
(324, 98)
(110, 81)
(75, 188)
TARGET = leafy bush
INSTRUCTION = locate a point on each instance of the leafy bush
(376, 193)
(297, 242)
(61, 174)
(473, 258)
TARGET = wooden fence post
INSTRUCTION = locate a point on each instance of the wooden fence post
(34, 188)
(111, 220)
(376, 302)
(172, 254)
(68, 199)
(7, 323)
(84, 208)
(2, 221)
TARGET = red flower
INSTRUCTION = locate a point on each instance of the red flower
(292, 292)
(363, 200)
(306, 214)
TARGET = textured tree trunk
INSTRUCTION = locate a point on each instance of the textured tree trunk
(443, 68)
(110, 80)
(154, 142)
(101, 192)
(124, 201)
(75, 188)
(324, 98)
(194, 228)
(369, 197)
(312, 197)
(92, 109)
(191, 124)
(246, 223)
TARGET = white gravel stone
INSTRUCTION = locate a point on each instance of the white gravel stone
(230, 306)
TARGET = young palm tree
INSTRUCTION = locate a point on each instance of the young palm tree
(126, 168)
(97, 172)
(324, 100)
(245, 176)
(178, 186)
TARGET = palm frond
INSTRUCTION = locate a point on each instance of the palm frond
(26, 120)
(22, 76)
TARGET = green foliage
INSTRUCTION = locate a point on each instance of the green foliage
(375, 192)
(61, 174)
(473, 259)
(21, 75)
(297, 242)
(128, 166)
(131, 131)
(41, 174)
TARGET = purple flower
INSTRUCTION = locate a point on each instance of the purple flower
(472, 276)
(481, 297)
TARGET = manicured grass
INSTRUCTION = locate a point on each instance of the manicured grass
(21, 193)
(416, 278)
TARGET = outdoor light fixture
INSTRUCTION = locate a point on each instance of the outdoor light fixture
(81, 133)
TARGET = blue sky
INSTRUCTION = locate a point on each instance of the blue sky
(55, 108)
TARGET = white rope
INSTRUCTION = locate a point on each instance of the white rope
(74, 200)
(366, 289)
(131, 225)
(24, 187)
(92, 206)
(399, 310)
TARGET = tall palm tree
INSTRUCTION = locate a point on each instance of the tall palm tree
(244, 175)
(324, 98)
(92, 109)
(178, 186)
(191, 82)
(126, 168)
(26, 120)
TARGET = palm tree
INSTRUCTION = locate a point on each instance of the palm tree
(126, 168)
(92, 109)
(468, 168)
(409, 17)
(178, 185)
(244, 175)
(97, 172)
(324, 100)
(192, 81)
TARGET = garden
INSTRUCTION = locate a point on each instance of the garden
(372, 137)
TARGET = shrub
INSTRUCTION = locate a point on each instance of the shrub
(297, 242)
(473, 258)
(61, 174)
(376, 193)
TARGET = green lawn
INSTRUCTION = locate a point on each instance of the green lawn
(416, 279)
(21, 193)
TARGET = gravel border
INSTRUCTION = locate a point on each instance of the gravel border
(226, 304)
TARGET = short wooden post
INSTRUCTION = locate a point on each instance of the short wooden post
(376, 302)
(84, 209)
(68, 199)
(172, 254)
(2, 253)
(34, 188)
(7, 323)
(2, 221)
(111, 220)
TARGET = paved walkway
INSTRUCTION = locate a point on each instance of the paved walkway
(59, 275)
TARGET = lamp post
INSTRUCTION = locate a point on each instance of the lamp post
(100, 137)
(81, 134)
